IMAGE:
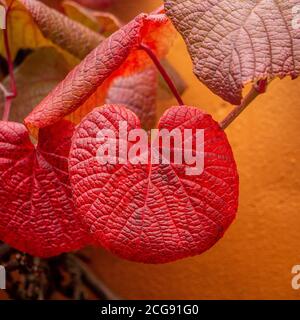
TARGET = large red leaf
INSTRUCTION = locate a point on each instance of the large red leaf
(235, 42)
(86, 84)
(153, 213)
(36, 207)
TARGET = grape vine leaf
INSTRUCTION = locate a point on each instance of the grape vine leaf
(139, 93)
(232, 43)
(86, 85)
(39, 73)
(36, 206)
(153, 213)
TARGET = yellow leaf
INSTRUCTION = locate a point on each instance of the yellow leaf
(31, 24)
(102, 22)
(23, 33)
(70, 35)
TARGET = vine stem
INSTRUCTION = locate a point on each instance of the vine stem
(8, 96)
(163, 72)
(257, 89)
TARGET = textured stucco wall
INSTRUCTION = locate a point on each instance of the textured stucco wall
(255, 257)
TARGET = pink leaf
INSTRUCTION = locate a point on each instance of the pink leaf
(138, 92)
(235, 42)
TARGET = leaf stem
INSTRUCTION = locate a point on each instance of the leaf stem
(8, 96)
(163, 72)
(257, 89)
(7, 107)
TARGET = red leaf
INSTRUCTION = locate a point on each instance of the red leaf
(36, 207)
(85, 86)
(153, 213)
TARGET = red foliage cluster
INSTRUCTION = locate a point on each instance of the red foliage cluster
(146, 213)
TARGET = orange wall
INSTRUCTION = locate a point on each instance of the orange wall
(255, 257)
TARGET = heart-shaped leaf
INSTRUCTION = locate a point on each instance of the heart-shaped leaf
(153, 213)
(138, 92)
(85, 86)
(36, 207)
(235, 42)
